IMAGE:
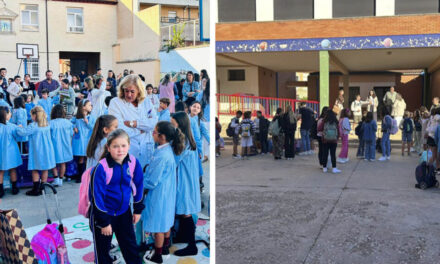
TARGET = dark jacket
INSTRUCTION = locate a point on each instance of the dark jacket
(286, 126)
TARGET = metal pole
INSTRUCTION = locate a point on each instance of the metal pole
(47, 38)
(25, 67)
(194, 33)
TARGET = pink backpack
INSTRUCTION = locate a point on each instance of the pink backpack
(84, 201)
(49, 246)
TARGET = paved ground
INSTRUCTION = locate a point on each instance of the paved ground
(32, 213)
(290, 212)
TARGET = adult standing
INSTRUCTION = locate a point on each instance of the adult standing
(68, 76)
(277, 136)
(372, 104)
(166, 89)
(340, 101)
(136, 116)
(190, 89)
(307, 116)
(111, 78)
(82, 77)
(435, 104)
(98, 74)
(15, 89)
(49, 83)
(3, 83)
(263, 132)
(28, 86)
(204, 77)
(356, 108)
(67, 97)
(288, 124)
(178, 89)
(389, 99)
(399, 107)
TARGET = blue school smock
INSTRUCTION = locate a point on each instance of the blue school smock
(10, 157)
(29, 107)
(161, 181)
(19, 117)
(188, 185)
(206, 112)
(47, 105)
(164, 115)
(4, 103)
(41, 151)
(81, 139)
(195, 129)
(61, 131)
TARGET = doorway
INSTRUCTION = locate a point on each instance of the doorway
(75, 62)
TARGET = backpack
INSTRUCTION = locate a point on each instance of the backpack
(358, 130)
(230, 131)
(418, 125)
(425, 176)
(274, 128)
(84, 199)
(394, 127)
(330, 132)
(407, 126)
(246, 129)
(49, 246)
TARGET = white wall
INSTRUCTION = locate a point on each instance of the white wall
(323, 9)
(385, 8)
(265, 9)
(190, 58)
(249, 86)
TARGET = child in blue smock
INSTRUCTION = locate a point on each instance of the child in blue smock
(29, 105)
(188, 186)
(19, 117)
(10, 157)
(3, 102)
(160, 181)
(369, 129)
(41, 151)
(104, 125)
(83, 124)
(46, 102)
(110, 210)
(61, 131)
(164, 112)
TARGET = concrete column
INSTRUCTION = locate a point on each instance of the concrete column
(323, 9)
(346, 82)
(385, 8)
(324, 76)
(264, 10)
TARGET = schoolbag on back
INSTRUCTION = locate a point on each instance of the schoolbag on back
(394, 127)
(230, 131)
(84, 199)
(275, 128)
(358, 130)
(330, 132)
(407, 126)
(246, 129)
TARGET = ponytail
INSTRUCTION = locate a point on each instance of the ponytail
(172, 135)
(98, 133)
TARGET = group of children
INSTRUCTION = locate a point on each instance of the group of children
(168, 188)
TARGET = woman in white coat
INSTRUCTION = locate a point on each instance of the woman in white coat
(372, 104)
(136, 116)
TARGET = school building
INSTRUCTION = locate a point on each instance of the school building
(80, 35)
(310, 49)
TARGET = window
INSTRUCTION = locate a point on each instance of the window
(5, 25)
(172, 15)
(33, 69)
(236, 75)
(75, 20)
(353, 8)
(293, 9)
(233, 10)
(416, 7)
(29, 17)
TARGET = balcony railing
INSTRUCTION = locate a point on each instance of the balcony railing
(189, 33)
(173, 20)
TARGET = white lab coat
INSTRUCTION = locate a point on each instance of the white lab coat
(97, 98)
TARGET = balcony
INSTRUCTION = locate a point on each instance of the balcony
(173, 20)
(183, 34)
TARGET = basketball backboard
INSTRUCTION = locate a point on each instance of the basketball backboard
(27, 51)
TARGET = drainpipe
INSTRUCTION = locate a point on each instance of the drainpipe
(47, 38)
(276, 80)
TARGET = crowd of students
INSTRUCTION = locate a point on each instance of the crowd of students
(96, 122)
(420, 131)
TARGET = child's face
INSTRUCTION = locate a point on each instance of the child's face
(156, 135)
(113, 126)
(44, 95)
(118, 149)
(163, 106)
(88, 107)
(33, 116)
(149, 90)
(195, 109)
(8, 116)
(28, 99)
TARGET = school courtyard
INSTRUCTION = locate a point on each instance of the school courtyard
(77, 232)
(283, 211)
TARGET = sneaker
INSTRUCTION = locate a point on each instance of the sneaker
(388, 158)
(56, 182)
(217, 154)
(60, 181)
(302, 153)
(311, 152)
(236, 157)
(372, 160)
(335, 170)
(324, 170)
(365, 159)
(383, 158)
(152, 258)
(340, 160)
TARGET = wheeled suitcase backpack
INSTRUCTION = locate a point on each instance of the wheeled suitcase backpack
(425, 176)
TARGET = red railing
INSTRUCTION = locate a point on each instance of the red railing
(230, 104)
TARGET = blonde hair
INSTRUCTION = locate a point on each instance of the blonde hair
(132, 79)
(40, 116)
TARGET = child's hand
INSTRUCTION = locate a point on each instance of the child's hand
(136, 218)
(75, 130)
(107, 231)
(86, 120)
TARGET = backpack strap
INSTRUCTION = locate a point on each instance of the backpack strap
(109, 171)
